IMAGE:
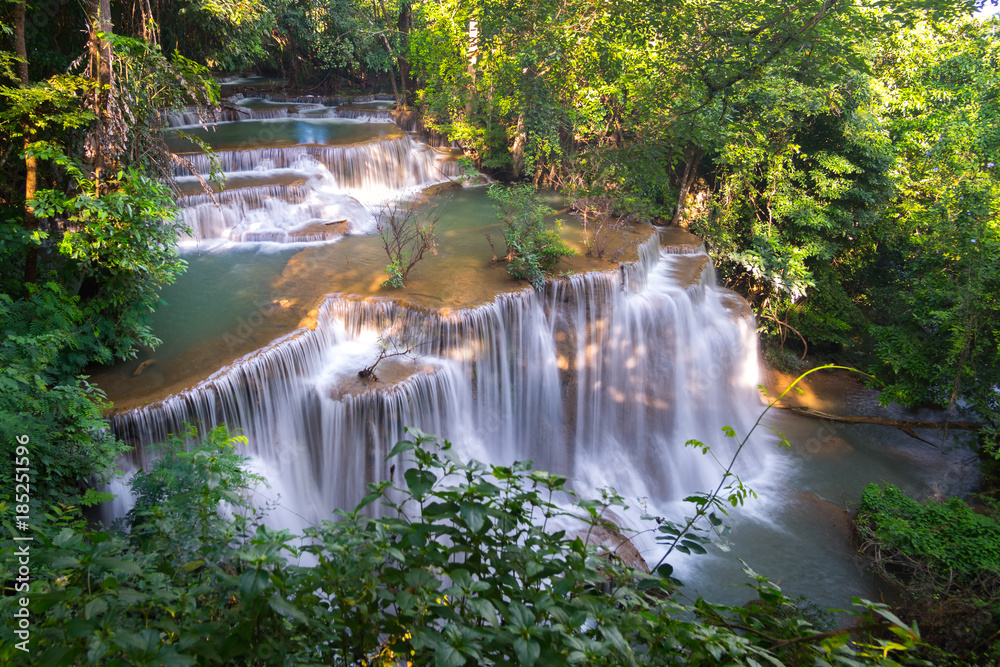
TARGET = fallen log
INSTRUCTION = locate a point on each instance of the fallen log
(907, 426)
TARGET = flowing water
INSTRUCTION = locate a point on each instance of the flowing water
(602, 375)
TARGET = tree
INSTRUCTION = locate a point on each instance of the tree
(533, 245)
(406, 232)
(937, 323)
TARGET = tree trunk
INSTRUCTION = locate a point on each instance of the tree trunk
(400, 102)
(100, 141)
(907, 426)
(295, 74)
(517, 150)
(19, 47)
(30, 163)
(403, 27)
(473, 58)
(692, 157)
(150, 27)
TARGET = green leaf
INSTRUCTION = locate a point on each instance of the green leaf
(169, 657)
(520, 617)
(420, 482)
(693, 546)
(57, 656)
(474, 516)
(485, 610)
(527, 651)
(193, 565)
(831, 644)
(399, 448)
(252, 582)
(95, 607)
(286, 608)
(446, 655)
(65, 562)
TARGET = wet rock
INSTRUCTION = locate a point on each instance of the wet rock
(438, 188)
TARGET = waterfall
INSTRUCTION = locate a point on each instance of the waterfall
(390, 163)
(336, 184)
(600, 376)
(295, 107)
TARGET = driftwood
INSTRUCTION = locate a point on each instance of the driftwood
(236, 108)
(907, 426)
(143, 366)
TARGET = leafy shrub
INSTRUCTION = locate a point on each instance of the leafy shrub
(124, 241)
(942, 559)
(466, 567)
(533, 247)
(45, 400)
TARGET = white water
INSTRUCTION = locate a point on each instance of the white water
(338, 183)
(267, 107)
(601, 377)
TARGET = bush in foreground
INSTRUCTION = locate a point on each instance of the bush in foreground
(464, 567)
(943, 562)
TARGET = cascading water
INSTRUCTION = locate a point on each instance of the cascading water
(599, 376)
(266, 107)
(296, 193)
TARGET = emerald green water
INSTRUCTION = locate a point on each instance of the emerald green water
(217, 290)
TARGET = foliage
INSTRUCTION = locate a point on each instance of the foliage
(943, 559)
(406, 232)
(847, 148)
(467, 567)
(803, 169)
(122, 243)
(147, 82)
(85, 255)
(43, 347)
(178, 501)
(227, 35)
(533, 246)
(937, 323)
(153, 596)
